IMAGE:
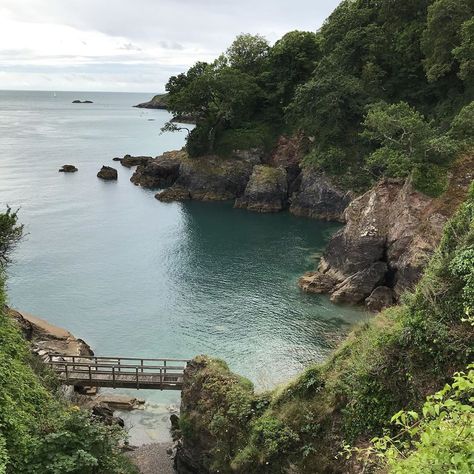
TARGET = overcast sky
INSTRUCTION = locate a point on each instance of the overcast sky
(132, 45)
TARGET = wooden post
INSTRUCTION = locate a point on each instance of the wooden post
(161, 379)
(142, 365)
(136, 373)
(113, 376)
(90, 374)
(67, 374)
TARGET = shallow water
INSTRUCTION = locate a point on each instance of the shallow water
(137, 277)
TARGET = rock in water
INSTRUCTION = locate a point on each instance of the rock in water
(108, 173)
(68, 169)
(266, 191)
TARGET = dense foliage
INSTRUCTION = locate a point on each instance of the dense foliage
(391, 363)
(408, 60)
(439, 439)
(40, 433)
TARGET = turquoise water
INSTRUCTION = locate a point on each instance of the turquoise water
(136, 277)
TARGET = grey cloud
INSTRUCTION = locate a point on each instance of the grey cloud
(130, 47)
(191, 29)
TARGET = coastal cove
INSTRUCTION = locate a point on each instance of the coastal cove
(137, 277)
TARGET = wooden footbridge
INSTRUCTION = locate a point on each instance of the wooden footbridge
(119, 372)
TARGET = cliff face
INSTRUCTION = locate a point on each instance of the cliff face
(390, 234)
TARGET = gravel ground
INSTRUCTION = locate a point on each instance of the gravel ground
(153, 459)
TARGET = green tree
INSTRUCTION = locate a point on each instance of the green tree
(248, 52)
(408, 145)
(464, 53)
(291, 62)
(443, 35)
(10, 234)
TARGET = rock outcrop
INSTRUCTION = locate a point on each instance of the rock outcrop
(200, 409)
(256, 182)
(107, 173)
(159, 173)
(47, 338)
(209, 178)
(129, 161)
(266, 191)
(390, 234)
(382, 297)
(68, 169)
(288, 154)
(77, 101)
(318, 197)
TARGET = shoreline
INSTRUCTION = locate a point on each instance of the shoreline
(146, 423)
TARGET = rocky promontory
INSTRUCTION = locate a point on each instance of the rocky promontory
(159, 101)
(390, 234)
(254, 181)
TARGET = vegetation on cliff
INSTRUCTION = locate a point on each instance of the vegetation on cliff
(390, 363)
(382, 89)
(40, 433)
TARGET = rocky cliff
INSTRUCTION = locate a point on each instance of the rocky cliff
(391, 232)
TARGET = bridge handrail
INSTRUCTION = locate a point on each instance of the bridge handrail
(115, 366)
(144, 359)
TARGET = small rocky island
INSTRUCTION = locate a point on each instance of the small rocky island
(77, 101)
(107, 173)
(68, 169)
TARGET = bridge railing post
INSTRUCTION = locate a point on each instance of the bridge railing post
(113, 376)
(136, 374)
(67, 373)
(90, 374)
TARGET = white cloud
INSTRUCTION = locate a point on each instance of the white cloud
(124, 45)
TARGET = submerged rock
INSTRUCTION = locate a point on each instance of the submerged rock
(77, 101)
(119, 402)
(318, 197)
(266, 191)
(68, 169)
(107, 173)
